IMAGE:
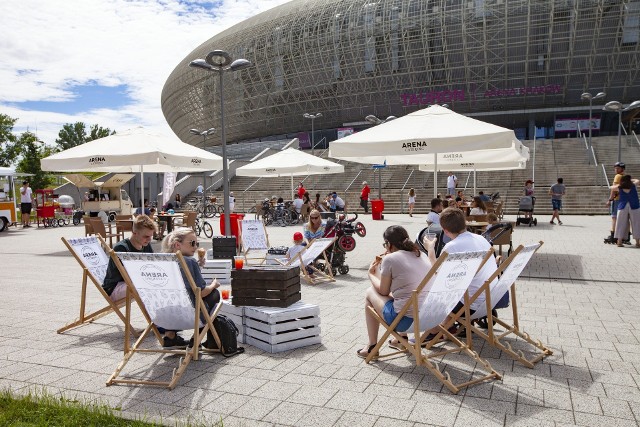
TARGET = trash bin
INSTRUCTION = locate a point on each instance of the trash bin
(377, 206)
(235, 225)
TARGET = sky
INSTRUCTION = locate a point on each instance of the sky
(101, 61)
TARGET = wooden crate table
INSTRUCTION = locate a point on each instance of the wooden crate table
(223, 247)
(275, 329)
(236, 314)
(217, 268)
(266, 286)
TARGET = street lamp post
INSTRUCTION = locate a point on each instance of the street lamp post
(616, 106)
(313, 117)
(204, 135)
(220, 61)
(590, 98)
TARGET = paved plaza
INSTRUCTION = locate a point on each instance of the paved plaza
(578, 295)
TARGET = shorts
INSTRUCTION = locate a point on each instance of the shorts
(557, 204)
(389, 314)
(613, 209)
(25, 208)
(119, 292)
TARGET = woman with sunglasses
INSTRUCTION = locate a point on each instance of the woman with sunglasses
(394, 277)
(315, 227)
(185, 241)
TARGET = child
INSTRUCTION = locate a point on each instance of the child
(412, 201)
(298, 245)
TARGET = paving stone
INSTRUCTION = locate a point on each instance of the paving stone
(435, 414)
(356, 419)
(256, 408)
(317, 416)
(467, 417)
(286, 413)
(388, 406)
(314, 396)
(276, 390)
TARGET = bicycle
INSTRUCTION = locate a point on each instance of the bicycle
(204, 226)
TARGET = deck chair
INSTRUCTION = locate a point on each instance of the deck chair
(124, 224)
(91, 254)
(486, 298)
(253, 238)
(449, 279)
(99, 229)
(500, 235)
(155, 282)
(306, 257)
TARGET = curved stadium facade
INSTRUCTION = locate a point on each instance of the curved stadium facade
(517, 63)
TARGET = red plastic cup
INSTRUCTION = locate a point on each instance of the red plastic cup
(225, 293)
(239, 262)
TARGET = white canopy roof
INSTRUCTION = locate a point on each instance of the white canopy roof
(134, 150)
(432, 130)
(4, 171)
(289, 162)
(515, 157)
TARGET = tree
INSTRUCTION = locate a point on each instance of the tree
(8, 147)
(32, 150)
(72, 135)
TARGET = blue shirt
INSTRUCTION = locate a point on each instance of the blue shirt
(631, 197)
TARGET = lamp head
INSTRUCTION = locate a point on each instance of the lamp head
(600, 95)
(194, 131)
(586, 96)
(240, 64)
(373, 119)
(200, 63)
(388, 119)
(633, 105)
(612, 106)
(210, 131)
(218, 59)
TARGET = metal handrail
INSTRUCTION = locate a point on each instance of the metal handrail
(466, 184)
(633, 132)
(247, 189)
(593, 154)
(352, 181)
(604, 173)
(579, 133)
(313, 146)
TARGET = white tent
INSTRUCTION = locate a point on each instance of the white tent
(289, 162)
(134, 150)
(431, 130)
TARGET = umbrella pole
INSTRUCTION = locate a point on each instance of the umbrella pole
(435, 175)
(291, 186)
(141, 189)
(474, 182)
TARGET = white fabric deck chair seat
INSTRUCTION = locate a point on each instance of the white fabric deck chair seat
(91, 253)
(449, 279)
(306, 257)
(155, 281)
(487, 297)
(254, 238)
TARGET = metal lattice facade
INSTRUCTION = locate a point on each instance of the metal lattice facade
(351, 58)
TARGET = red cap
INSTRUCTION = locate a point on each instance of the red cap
(297, 236)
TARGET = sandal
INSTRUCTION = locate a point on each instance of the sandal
(396, 345)
(364, 356)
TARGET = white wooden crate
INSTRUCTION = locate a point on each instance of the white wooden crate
(236, 314)
(217, 268)
(275, 329)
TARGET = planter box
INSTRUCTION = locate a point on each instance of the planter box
(217, 268)
(266, 286)
(223, 247)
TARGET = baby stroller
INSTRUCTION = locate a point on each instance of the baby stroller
(525, 205)
(343, 230)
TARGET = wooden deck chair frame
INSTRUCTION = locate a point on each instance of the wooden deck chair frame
(490, 335)
(87, 275)
(246, 245)
(421, 350)
(100, 229)
(187, 354)
(319, 276)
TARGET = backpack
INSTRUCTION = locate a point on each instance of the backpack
(228, 333)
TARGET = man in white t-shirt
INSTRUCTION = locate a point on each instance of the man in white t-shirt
(200, 189)
(297, 203)
(452, 183)
(26, 203)
(433, 217)
(454, 225)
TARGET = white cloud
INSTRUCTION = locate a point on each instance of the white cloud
(48, 47)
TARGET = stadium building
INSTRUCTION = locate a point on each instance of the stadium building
(522, 64)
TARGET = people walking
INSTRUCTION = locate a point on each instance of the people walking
(412, 201)
(557, 192)
(364, 197)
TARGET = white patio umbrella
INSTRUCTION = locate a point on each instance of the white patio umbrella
(289, 162)
(428, 131)
(134, 150)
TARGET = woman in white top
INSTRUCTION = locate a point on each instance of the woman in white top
(393, 278)
(478, 207)
(412, 200)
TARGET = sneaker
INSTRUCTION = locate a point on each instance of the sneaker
(177, 342)
(191, 342)
(551, 222)
(559, 222)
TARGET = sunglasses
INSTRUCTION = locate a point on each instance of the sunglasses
(385, 244)
(315, 217)
(194, 244)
